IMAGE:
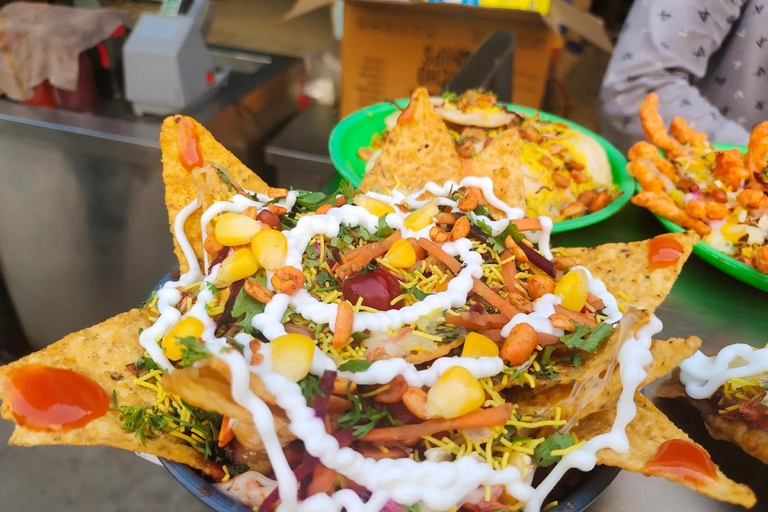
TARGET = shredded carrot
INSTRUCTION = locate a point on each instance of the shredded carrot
(527, 224)
(420, 252)
(337, 404)
(323, 209)
(493, 298)
(394, 393)
(472, 320)
(323, 481)
(345, 316)
(356, 259)
(492, 417)
(509, 270)
(226, 434)
(588, 320)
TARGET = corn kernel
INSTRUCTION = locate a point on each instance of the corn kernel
(477, 345)
(186, 327)
(573, 288)
(270, 248)
(292, 355)
(456, 392)
(422, 217)
(374, 206)
(238, 265)
(732, 232)
(235, 229)
(401, 254)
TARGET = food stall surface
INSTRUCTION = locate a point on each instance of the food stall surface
(85, 231)
(704, 302)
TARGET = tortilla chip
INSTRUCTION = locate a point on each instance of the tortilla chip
(417, 151)
(501, 162)
(667, 354)
(102, 352)
(623, 267)
(646, 433)
(181, 187)
(752, 441)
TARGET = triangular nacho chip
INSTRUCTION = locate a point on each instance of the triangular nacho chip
(418, 150)
(623, 267)
(501, 162)
(646, 433)
(182, 186)
(102, 352)
(753, 441)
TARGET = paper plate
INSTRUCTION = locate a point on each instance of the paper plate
(355, 132)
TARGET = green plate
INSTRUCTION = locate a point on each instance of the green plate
(355, 132)
(720, 260)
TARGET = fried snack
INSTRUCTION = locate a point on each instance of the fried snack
(643, 149)
(644, 172)
(419, 149)
(501, 162)
(618, 266)
(654, 128)
(102, 353)
(752, 440)
(685, 134)
(757, 151)
(646, 433)
(662, 204)
(180, 190)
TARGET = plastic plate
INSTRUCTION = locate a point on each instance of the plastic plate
(589, 487)
(355, 131)
(717, 259)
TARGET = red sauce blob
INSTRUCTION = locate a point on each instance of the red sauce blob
(189, 144)
(377, 288)
(682, 459)
(407, 115)
(54, 399)
(664, 251)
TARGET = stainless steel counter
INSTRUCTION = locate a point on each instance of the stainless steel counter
(83, 227)
(720, 310)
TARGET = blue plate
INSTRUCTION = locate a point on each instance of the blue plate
(590, 485)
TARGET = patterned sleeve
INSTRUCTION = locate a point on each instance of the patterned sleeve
(664, 46)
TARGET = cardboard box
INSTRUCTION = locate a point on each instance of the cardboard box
(390, 47)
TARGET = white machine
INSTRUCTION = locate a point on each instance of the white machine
(167, 64)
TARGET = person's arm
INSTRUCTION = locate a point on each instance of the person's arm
(663, 46)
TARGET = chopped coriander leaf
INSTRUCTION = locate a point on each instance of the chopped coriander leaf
(546, 355)
(313, 256)
(547, 372)
(246, 307)
(347, 190)
(345, 238)
(310, 387)
(212, 288)
(325, 281)
(420, 295)
(576, 360)
(355, 365)
(191, 350)
(543, 452)
(149, 299)
(225, 178)
(362, 419)
(237, 468)
(289, 312)
(360, 336)
(482, 210)
(146, 363)
(313, 200)
(586, 339)
(383, 230)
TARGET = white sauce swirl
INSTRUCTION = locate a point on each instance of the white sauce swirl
(703, 375)
(436, 485)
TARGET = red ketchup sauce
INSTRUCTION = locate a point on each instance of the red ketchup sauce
(664, 251)
(54, 399)
(682, 459)
(189, 144)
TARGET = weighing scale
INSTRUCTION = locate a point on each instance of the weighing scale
(168, 67)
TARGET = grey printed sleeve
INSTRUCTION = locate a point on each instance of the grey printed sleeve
(665, 46)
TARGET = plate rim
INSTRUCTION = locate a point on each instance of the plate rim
(620, 176)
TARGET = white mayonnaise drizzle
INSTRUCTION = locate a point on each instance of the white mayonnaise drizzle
(436, 485)
(703, 375)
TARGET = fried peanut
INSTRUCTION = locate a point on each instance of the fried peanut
(520, 256)
(277, 209)
(599, 201)
(438, 234)
(560, 321)
(268, 219)
(288, 280)
(573, 209)
(415, 400)
(323, 208)
(445, 218)
(460, 229)
(211, 245)
(255, 346)
(519, 345)
(539, 285)
(468, 202)
(563, 263)
(520, 302)
(720, 195)
(561, 179)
